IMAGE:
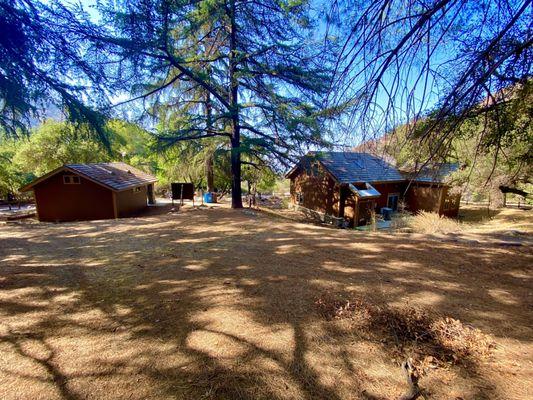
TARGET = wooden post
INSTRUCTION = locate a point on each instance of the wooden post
(115, 210)
(356, 206)
(342, 200)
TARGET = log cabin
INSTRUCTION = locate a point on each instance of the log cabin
(351, 186)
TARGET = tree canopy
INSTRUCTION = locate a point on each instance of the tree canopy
(46, 65)
(257, 61)
(404, 61)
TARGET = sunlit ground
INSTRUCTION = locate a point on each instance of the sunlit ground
(219, 304)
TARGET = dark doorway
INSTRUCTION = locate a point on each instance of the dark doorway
(392, 201)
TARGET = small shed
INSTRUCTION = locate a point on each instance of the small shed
(92, 191)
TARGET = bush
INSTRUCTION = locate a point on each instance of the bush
(429, 222)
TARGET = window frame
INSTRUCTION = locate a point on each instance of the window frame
(71, 179)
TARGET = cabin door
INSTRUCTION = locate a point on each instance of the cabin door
(392, 201)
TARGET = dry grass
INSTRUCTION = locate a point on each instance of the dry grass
(220, 304)
(472, 219)
(480, 219)
(428, 223)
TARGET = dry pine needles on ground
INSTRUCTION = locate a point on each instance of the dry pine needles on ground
(437, 339)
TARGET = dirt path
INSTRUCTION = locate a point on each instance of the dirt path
(219, 304)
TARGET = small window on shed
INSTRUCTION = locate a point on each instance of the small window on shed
(71, 180)
(299, 198)
(137, 189)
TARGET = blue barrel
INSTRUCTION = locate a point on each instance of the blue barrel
(210, 197)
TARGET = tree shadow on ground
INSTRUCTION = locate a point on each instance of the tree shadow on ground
(219, 304)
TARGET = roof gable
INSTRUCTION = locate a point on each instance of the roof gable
(116, 176)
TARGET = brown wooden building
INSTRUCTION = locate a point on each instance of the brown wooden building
(351, 185)
(92, 191)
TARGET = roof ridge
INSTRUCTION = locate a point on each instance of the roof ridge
(117, 176)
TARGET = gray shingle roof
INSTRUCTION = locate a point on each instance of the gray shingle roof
(349, 167)
(117, 175)
(434, 174)
(353, 167)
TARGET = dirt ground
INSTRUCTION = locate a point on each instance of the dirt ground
(493, 221)
(220, 304)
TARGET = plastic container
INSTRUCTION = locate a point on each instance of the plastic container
(386, 212)
(210, 197)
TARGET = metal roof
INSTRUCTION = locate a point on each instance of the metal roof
(116, 176)
(349, 167)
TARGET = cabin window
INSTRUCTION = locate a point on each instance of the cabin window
(299, 198)
(392, 201)
(137, 189)
(71, 180)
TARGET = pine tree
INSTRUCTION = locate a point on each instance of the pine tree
(44, 66)
(265, 76)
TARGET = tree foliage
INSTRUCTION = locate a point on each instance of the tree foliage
(12, 177)
(493, 147)
(257, 61)
(247, 81)
(45, 63)
(54, 144)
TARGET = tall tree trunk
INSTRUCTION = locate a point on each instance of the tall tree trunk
(236, 195)
(210, 177)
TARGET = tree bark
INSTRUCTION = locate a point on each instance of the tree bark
(236, 195)
(236, 192)
(209, 173)
(210, 176)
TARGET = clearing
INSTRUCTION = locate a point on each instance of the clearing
(221, 304)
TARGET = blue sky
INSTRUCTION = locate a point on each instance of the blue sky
(352, 136)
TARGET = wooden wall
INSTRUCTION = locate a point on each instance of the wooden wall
(421, 197)
(130, 202)
(320, 191)
(387, 188)
(57, 201)
(433, 198)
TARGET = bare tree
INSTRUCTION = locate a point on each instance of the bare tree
(438, 60)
